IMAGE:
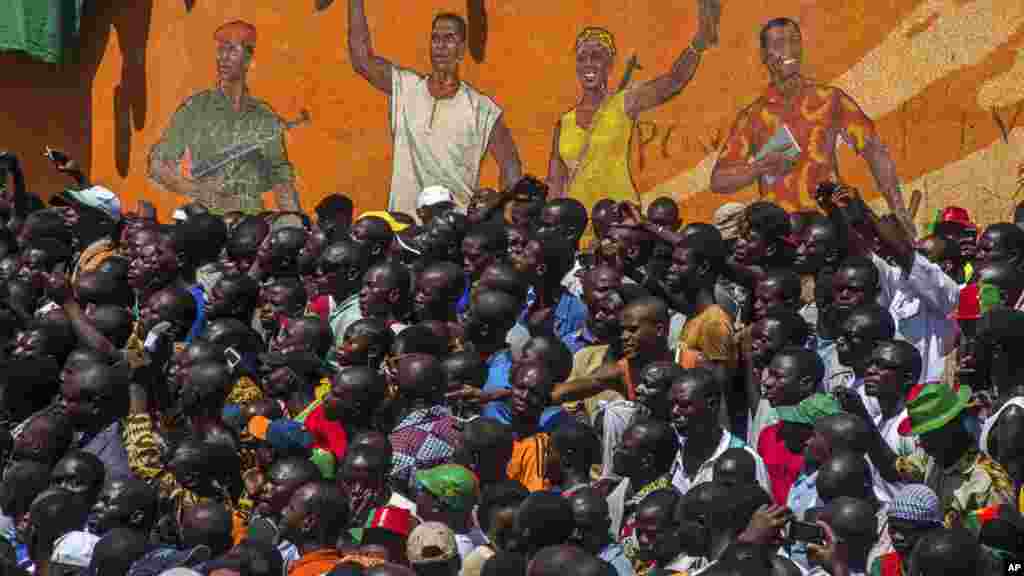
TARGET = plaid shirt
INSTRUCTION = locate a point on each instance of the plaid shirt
(423, 439)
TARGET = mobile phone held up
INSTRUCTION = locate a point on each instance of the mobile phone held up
(56, 156)
(806, 532)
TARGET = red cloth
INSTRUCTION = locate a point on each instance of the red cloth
(783, 466)
(327, 435)
(321, 306)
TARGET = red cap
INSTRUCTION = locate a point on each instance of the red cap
(969, 307)
(958, 215)
(392, 518)
(237, 32)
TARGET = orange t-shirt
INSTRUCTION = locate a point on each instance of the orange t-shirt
(315, 563)
(528, 461)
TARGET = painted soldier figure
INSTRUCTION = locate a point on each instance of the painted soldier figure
(223, 147)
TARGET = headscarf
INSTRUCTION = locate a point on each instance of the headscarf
(599, 35)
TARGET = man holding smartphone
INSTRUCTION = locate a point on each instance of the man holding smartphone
(209, 127)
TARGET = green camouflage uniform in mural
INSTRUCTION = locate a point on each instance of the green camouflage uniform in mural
(207, 125)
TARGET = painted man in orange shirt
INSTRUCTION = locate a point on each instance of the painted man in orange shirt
(815, 116)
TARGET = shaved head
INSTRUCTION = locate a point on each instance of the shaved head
(844, 474)
(650, 307)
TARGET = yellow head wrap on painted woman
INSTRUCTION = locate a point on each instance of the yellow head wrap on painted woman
(599, 35)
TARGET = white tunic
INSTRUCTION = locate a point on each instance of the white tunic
(436, 142)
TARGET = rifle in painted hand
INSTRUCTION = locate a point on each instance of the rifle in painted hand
(238, 151)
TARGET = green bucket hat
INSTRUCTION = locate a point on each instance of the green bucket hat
(931, 406)
(455, 485)
(810, 409)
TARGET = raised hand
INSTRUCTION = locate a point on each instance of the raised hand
(765, 526)
(775, 164)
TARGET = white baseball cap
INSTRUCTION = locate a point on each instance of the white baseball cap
(434, 195)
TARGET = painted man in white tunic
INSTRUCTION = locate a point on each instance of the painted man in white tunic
(442, 126)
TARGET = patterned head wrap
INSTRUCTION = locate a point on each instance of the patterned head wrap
(599, 35)
(916, 503)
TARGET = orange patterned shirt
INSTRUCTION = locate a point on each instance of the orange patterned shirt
(817, 116)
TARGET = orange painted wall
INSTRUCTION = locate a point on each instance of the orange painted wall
(140, 60)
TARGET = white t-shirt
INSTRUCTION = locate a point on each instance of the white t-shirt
(436, 142)
(469, 542)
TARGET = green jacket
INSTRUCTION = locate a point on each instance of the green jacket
(207, 125)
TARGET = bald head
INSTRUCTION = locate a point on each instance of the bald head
(313, 333)
(420, 377)
(698, 503)
(212, 379)
(374, 458)
(845, 432)
(562, 560)
(373, 439)
(853, 520)
(114, 322)
(1001, 242)
(209, 524)
(99, 378)
(735, 466)
(844, 474)
(588, 503)
(649, 307)
(493, 305)
(876, 321)
(503, 277)
(946, 552)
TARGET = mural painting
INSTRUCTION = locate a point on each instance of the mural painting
(224, 147)
(940, 81)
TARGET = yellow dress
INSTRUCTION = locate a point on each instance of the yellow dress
(604, 172)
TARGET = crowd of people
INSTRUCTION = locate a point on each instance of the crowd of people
(546, 380)
(522, 387)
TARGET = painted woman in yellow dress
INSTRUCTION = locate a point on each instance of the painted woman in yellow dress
(590, 152)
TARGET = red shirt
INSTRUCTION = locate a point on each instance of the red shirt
(321, 306)
(327, 435)
(783, 466)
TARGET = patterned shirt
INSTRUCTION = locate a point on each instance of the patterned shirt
(973, 482)
(144, 457)
(817, 117)
(423, 439)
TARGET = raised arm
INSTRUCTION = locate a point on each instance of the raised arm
(503, 148)
(884, 170)
(558, 172)
(663, 88)
(376, 70)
